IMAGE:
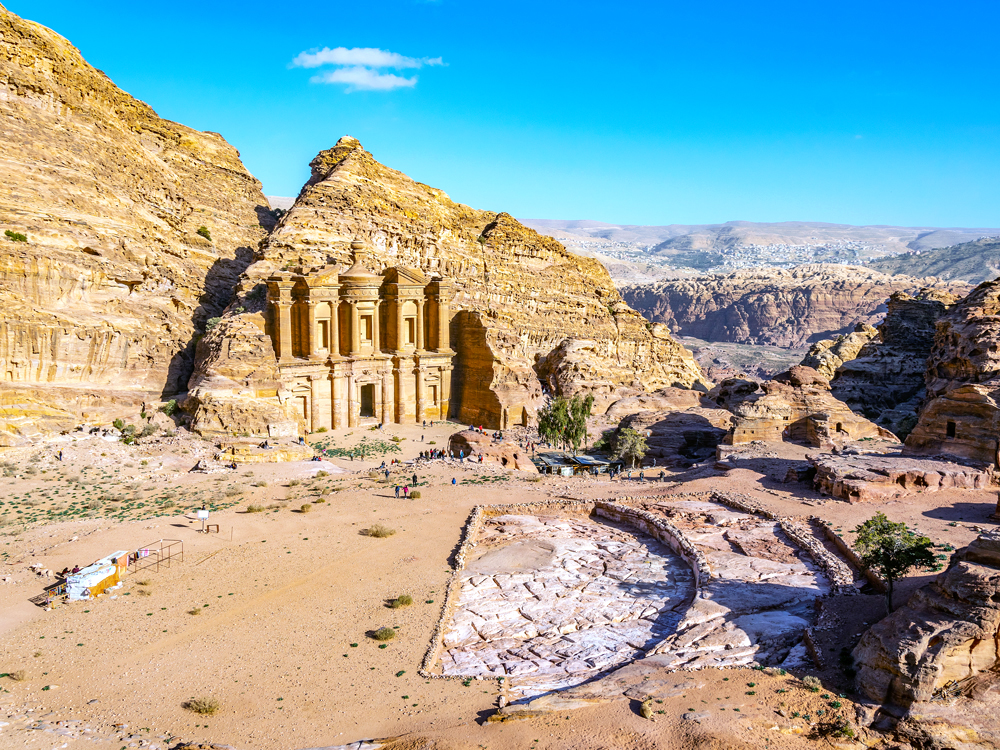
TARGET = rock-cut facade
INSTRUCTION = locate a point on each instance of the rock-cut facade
(354, 347)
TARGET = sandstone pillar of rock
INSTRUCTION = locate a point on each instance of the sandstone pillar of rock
(420, 325)
(376, 339)
(355, 323)
(403, 372)
(420, 393)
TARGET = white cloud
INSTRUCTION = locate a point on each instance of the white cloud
(359, 78)
(368, 57)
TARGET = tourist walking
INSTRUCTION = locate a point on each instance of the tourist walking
(406, 491)
(397, 492)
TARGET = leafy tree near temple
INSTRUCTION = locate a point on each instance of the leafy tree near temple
(563, 421)
(629, 444)
(892, 550)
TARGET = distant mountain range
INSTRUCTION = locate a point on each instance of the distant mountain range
(974, 262)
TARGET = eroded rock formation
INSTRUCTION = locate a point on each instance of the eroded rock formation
(769, 305)
(472, 444)
(961, 415)
(873, 477)
(796, 405)
(103, 301)
(527, 315)
(947, 632)
(827, 355)
(885, 380)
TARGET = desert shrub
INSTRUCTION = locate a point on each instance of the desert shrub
(149, 429)
(812, 683)
(535, 478)
(143, 582)
(204, 706)
(320, 429)
(320, 474)
(295, 483)
(379, 531)
(397, 439)
(384, 634)
(836, 727)
(18, 675)
(203, 231)
(119, 424)
(319, 500)
(170, 407)
(211, 323)
(15, 236)
(255, 508)
(235, 490)
(167, 504)
(306, 507)
(169, 495)
(195, 611)
(94, 505)
(403, 600)
(144, 592)
(260, 483)
(415, 495)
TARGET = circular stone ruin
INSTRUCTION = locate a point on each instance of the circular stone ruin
(550, 599)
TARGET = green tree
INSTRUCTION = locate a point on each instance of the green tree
(579, 412)
(629, 444)
(892, 550)
(203, 231)
(553, 420)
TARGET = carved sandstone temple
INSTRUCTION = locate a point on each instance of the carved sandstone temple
(357, 348)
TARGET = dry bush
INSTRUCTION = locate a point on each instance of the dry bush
(195, 611)
(144, 592)
(379, 531)
(415, 495)
(812, 683)
(306, 507)
(205, 706)
(260, 483)
(18, 675)
(403, 600)
(319, 500)
(295, 483)
(143, 582)
(235, 490)
(384, 634)
(255, 508)
(320, 474)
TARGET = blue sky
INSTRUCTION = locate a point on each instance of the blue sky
(628, 112)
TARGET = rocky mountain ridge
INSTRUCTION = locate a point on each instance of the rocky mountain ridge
(101, 301)
(774, 306)
(971, 262)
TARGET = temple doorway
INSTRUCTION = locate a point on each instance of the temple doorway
(368, 400)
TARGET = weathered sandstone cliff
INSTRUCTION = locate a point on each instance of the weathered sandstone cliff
(946, 633)
(528, 316)
(797, 405)
(770, 305)
(827, 355)
(101, 304)
(885, 381)
(961, 414)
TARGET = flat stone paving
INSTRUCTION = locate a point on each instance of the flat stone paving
(761, 596)
(553, 601)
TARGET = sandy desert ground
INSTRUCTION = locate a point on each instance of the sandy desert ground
(271, 616)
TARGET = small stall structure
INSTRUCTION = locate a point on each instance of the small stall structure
(155, 554)
(97, 578)
(562, 463)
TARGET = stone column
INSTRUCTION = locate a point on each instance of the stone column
(445, 392)
(312, 340)
(376, 339)
(443, 314)
(420, 325)
(335, 327)
(355, 331)
(352, 402)
(284, 308)
(387, 390)
(420, 395)
(400, 337)
(314, 398)
(337, 387)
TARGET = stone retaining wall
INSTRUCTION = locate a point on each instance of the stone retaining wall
(873, 578)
